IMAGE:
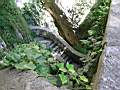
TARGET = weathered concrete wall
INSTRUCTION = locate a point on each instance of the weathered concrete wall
(108, 74)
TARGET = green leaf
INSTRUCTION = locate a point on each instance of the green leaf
(42, 69)
(85, 42)
(6, 62)
(83, 78)
(88, 87)
(40, 60)
(80, 49)
(74, 78)
(91, 32)
(30, 66)
(20, 66)
(53, 80)
(63, 78)
(61, 67)
(93, 53)
(70, 68)
(50, 59)
(25, 65)
(48, 53)
(36, 47)
(53, 68)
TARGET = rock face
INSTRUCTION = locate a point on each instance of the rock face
(107, 77)
(16, 80)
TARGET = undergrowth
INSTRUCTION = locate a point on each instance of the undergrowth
(38, 58)
(93, 45)
(13, 27)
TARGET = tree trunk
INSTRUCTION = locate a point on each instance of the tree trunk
(64, 26)
(13, 27)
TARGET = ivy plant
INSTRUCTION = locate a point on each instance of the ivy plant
(67, 74)
(26, 56)
(36, 57)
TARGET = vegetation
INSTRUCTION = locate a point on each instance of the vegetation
(32, 12)
(38, 58)
(87, 39)
(13, 27)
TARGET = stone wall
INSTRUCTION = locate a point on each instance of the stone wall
(107, 76)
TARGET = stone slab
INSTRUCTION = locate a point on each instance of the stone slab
(27, 80)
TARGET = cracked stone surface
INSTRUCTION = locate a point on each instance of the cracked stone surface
(27, 80)
(108, 74)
